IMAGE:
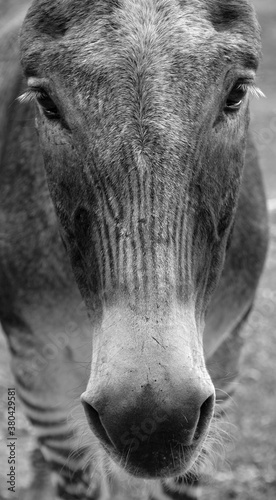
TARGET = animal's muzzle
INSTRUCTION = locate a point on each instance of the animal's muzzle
(155, 437)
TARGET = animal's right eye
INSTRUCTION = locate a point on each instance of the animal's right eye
(47, 104)
(50, 110)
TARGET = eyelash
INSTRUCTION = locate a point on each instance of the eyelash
(231, 106)
(48, 106)
(252, 89)
(30, 95)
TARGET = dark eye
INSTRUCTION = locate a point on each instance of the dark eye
(236, 97)
(49, 108)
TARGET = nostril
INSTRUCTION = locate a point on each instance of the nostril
(206, 412)
(95, 423)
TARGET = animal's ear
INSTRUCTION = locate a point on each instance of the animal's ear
(226, 14)
(238, 18)
(50, 19)
(45, 22)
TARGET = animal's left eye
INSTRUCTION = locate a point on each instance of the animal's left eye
(236, 96)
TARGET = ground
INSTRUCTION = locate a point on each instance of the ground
(249, 473)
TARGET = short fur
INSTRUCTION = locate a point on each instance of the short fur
(163, 217)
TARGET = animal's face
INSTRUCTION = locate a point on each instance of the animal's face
(142, 118)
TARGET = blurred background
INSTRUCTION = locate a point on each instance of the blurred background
(249, 471)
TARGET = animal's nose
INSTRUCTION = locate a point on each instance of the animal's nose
(156, 436)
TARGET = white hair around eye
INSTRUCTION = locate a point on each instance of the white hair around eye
(27, 96)
(252, 89)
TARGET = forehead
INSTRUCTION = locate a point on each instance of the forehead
(71, 36)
